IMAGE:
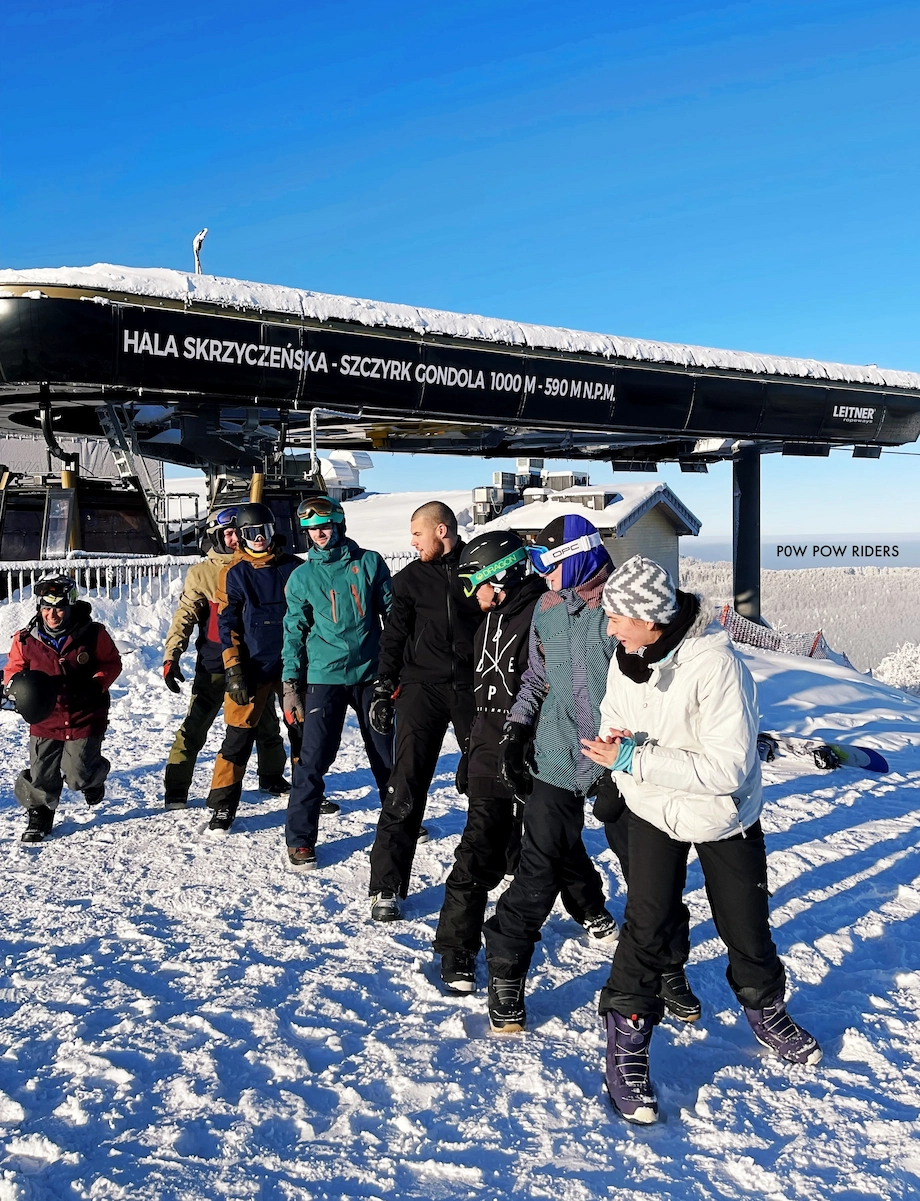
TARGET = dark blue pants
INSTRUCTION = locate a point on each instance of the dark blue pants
(325, 709)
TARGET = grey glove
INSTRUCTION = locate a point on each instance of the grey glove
(292, 702)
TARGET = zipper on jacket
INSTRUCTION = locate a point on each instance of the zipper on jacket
(332, 598)
(450, 627)
(354, 592)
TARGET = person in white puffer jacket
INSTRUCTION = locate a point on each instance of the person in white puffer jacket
(678, 732)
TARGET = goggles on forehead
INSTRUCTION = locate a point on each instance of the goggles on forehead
(249, 533)
(54, 602)
(320, 510)
(546, 558)
(494, 572)
(225, 518)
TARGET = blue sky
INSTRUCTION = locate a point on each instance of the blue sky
(740, 175)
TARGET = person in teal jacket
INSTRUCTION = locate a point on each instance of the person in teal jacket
(337, 603)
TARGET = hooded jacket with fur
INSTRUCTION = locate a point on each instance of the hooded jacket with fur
(695, 771)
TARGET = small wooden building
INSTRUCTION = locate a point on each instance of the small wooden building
(633, 519)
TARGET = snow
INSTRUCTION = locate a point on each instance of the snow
(181, 1018)
(160, 283)
(381, 520)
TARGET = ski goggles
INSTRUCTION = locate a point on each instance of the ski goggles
(225, 519)
(495, 572)
(320, 510)
(546, 558)
(54, 602)
(249, 533)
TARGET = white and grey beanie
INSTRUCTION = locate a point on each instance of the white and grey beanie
(641, 588)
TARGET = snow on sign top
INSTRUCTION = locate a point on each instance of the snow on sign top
(164, 284)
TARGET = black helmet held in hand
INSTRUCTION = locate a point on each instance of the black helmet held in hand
(498, 557)
(34, 693)
(255, 520)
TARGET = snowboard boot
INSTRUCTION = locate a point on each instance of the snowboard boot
(458, 971)
(174, 800)
(276, 785)
(41, 819)
(328, 807)
(507, 1014)
(302, 858)
(222, 818)
(774, 1028)
(423, 836)
(679, 999)
(94, 795)
(385, 907)
(601, 928)
(626, 1075)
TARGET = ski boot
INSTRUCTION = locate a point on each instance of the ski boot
(627, 1075)
(601, 928)
(458, 971)
(41, 819)
(679, 999)
(385, 907)
(507, 1014)
(774, 1028)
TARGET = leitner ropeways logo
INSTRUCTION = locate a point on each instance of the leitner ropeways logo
(852, 413)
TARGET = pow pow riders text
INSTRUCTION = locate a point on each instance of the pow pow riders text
(836, 551)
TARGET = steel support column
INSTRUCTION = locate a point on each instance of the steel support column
(746, 532)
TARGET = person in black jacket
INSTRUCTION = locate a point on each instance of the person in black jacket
(425, 673)
(494, 570)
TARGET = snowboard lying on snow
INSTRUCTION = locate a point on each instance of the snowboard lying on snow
(826, 755)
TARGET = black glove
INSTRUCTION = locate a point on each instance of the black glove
(236, 686)
(380, 711)
(513, 770)
(172, 674)
(462, 778)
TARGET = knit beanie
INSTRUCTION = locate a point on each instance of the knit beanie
(641, 588)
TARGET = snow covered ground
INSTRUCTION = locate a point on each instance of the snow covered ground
(182, 1019)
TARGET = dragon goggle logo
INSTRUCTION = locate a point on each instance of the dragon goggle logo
(492, 572)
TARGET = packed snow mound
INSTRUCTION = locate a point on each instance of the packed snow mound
(166, 284)
(181, 1017)
(901, 668)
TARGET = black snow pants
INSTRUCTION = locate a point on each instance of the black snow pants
(481, 861)
(735, 874)
(423, 713)
(610, 808)
(551, 851)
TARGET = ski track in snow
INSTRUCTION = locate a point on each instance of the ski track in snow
(183, 1018)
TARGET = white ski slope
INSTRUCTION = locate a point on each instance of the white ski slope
(182, 1019)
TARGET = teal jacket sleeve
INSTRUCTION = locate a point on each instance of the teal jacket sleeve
(383, 590)
(298, 621)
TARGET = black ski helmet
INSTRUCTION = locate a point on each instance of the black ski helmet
(34, 694)
(55, 590)
(499, 555)
(252, 517)
(219, 522)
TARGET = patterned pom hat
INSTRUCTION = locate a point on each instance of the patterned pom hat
(641, 588)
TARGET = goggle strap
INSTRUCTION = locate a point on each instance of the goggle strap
(555, 554)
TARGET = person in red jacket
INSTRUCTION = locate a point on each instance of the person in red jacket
(65, 643)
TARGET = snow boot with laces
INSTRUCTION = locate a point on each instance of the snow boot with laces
(303, 859)
(679, 998)
(774, 1029)
(385, 907)
(507, 1014)
(627, 1074)
(41, 819)
(222, 819)
(601, 928)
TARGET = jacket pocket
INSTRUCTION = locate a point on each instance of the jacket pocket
(332, 603)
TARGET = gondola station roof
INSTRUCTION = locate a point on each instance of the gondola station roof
(210, 370)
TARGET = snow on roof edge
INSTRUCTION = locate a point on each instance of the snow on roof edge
(164, 283)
